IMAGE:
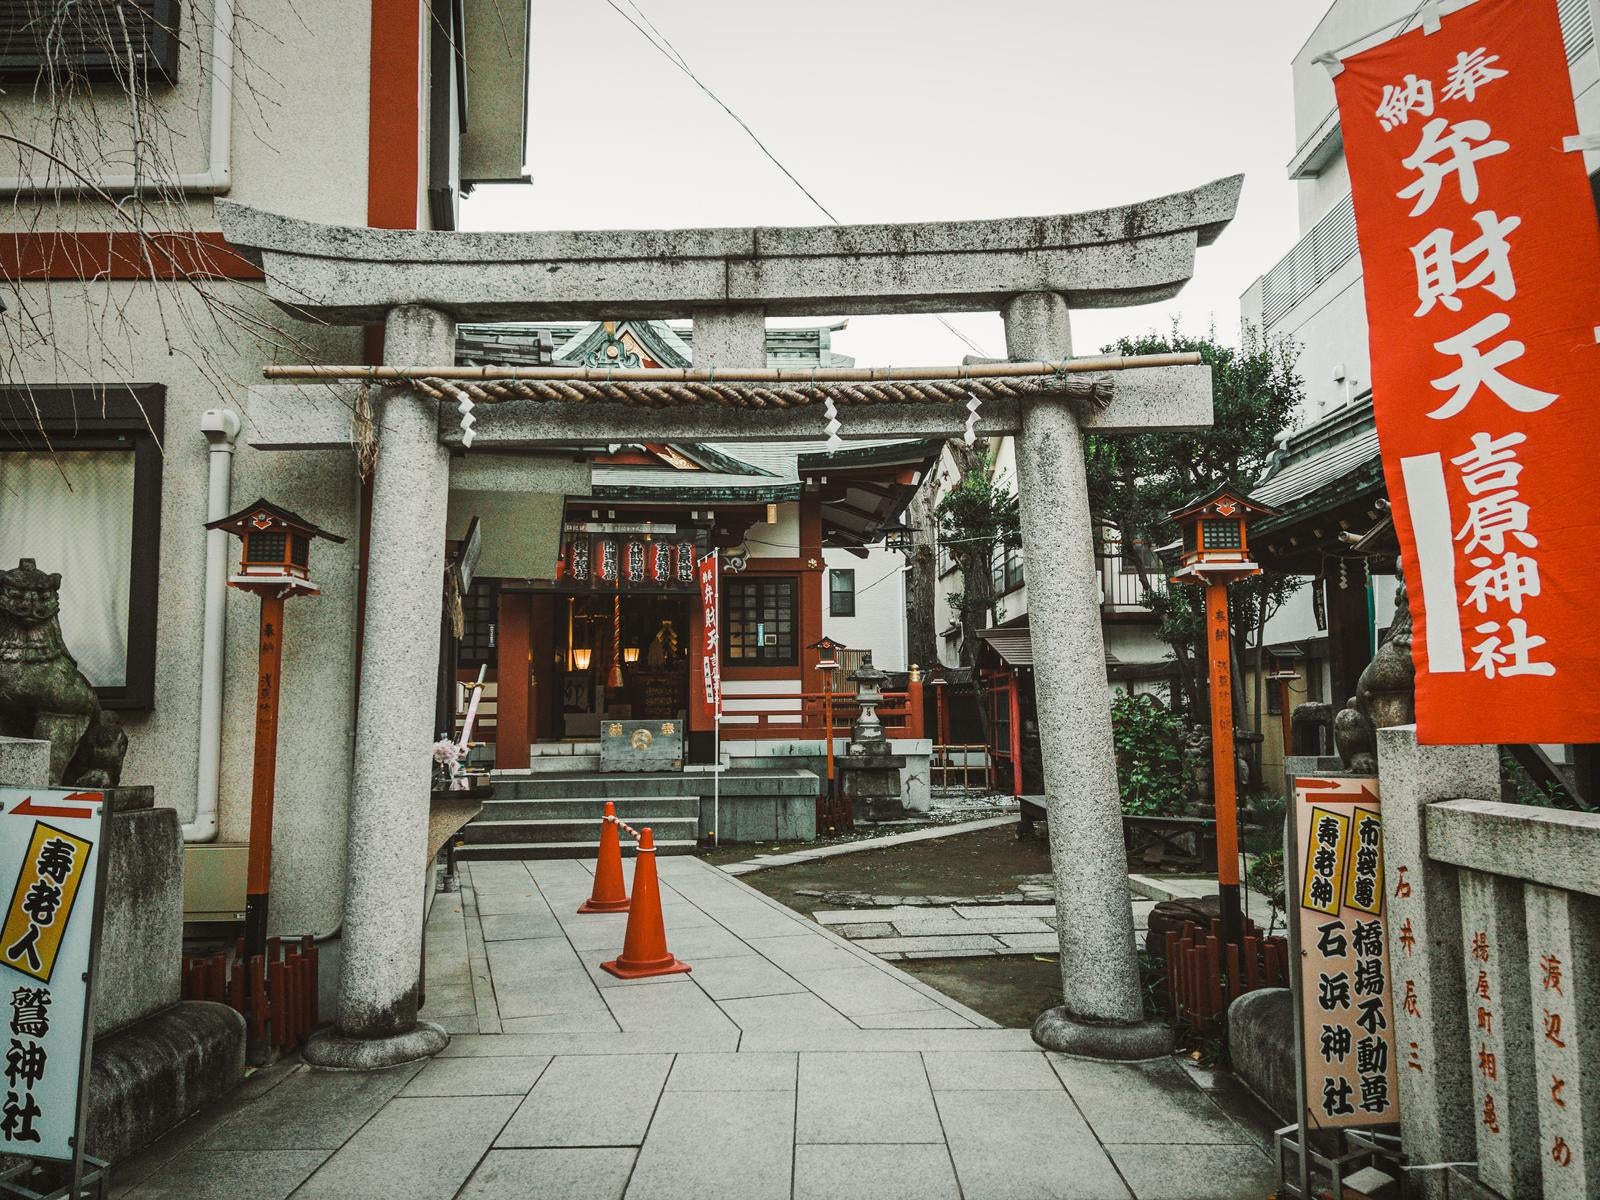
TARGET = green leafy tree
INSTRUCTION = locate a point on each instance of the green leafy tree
(1151, 773)
(1135, 482)
(976, 520)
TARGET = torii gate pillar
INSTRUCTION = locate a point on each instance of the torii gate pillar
(377, 1023)
(1103, 1014)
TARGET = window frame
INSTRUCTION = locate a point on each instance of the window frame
(1006, 569)
(730, 587)
(101, 417)
(159, 57)
(835, 595)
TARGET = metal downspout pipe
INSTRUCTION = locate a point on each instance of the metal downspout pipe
(221, 428)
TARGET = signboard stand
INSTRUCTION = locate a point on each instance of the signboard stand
(1350, 972)
(51, 838)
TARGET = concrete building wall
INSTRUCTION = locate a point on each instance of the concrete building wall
(299, 125)
(879, 623)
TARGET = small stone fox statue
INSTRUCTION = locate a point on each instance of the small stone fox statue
(42, 692)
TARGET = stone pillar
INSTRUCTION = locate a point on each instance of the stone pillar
(1103, 1014)
(1436, 1066)
(730, 337)
(1564, 986)
(24, 762)
(377, 1023)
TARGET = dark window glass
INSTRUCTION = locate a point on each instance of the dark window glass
(481, 608)
(842, 593)
(299, 550)
(759, 621)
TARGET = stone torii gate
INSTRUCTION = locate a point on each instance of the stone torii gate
(419, 284)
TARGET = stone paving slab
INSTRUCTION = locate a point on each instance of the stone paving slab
(1196, 1173)
(603, 1100)
(477, 1077)
(865, 1097)
(696, 1137)
(868, 1172)
(754, 1072)
(925, 945)
(1154, 1103)
(397, 1153)
(311, 1110)
(591, 1173)
(1025, 1145)
(745, 976)
(989, 1071)
(231, 1175)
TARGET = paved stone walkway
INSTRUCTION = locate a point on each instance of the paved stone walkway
(957, 930)
(790, 1064)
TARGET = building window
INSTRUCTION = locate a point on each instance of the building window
(91, 40)
(80, 494)
(947, 561)
(759, 621)
(480, 608)
(841, 593)
(1005, 570)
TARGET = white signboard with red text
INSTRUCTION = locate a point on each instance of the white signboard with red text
(50, 864)
(1481, 256)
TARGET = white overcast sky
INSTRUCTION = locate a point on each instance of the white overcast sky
(911, 110)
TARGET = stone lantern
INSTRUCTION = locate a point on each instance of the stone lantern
(870, 774)
(866, 735)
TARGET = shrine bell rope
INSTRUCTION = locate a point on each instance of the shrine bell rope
(765, 388)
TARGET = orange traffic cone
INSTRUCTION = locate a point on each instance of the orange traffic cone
(644, 945)
(609, 895)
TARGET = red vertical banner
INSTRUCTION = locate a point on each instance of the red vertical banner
(710, 694)
(1481, 254)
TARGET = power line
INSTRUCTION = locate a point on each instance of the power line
(673, 57)
(667, 50)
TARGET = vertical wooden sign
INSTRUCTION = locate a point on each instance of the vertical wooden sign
(1343, 979)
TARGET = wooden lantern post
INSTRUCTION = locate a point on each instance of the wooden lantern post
(1215, 553)
(827, 663)
(274, 564)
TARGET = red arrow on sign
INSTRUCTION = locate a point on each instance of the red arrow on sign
(29, 809)
(1343, 791)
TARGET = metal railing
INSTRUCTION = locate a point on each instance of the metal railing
(973, 767)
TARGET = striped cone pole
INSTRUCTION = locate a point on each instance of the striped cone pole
(644, 945)
(609, 895)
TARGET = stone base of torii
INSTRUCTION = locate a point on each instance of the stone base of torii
(420, 283)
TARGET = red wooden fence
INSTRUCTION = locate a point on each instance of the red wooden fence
(1203, 977)
(277, 994)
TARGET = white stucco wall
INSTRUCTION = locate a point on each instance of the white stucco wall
(880, 621)
(300, 147)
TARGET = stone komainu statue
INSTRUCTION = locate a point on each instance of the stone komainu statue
(1385, 694)
(42, 692)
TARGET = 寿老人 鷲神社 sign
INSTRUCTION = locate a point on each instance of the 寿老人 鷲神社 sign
(50, 863)
(1481, 258)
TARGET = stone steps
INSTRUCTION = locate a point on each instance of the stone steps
(572, 830)
(632, 809)
(499, 851)
(593, 785)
